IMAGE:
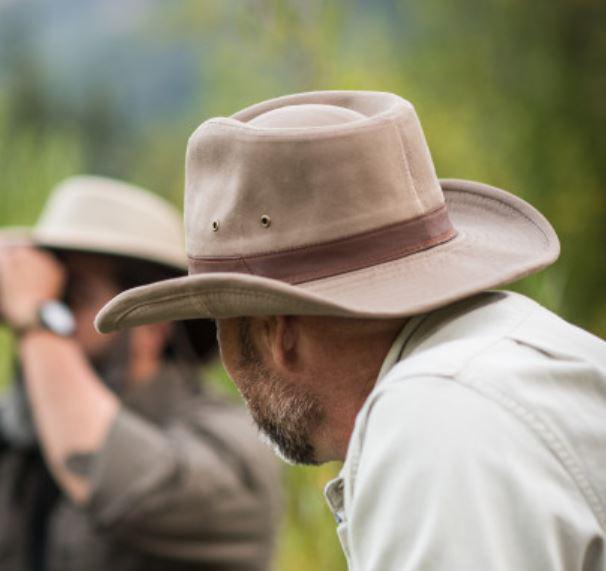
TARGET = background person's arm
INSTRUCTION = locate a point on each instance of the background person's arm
(71, 407)
(72, 410)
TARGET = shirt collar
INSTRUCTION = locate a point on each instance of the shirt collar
(418, 332)
(334, 490)
(397, 347)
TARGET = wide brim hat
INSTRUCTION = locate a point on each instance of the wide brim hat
(327, 203)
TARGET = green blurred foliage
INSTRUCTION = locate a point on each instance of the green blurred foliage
(510, 93)
(31, 162)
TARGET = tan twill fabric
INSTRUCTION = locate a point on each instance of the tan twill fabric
(329, 182)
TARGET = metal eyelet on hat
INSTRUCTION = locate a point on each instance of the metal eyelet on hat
(265, 221)
(215, 225)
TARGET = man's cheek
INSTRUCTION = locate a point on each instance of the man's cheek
(227, 347)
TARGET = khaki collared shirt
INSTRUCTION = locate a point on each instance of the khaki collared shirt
(482, 446)
(182, 482)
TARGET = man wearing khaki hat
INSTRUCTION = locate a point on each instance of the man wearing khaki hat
(112, 456)
(353, 292)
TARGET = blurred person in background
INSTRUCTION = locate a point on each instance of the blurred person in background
(354, 293)
(112, 454)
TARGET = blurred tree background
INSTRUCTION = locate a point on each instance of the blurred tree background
(510, 93)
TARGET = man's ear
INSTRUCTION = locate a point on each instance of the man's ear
(283, 340)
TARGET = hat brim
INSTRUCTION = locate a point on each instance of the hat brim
(500, 238)
(91, 243)
(16, 236)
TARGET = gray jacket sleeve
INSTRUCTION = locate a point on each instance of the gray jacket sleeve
(199, 489)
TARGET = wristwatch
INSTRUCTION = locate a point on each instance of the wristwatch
(57, 317)
(54, 316)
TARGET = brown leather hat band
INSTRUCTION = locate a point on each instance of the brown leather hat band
(340, 256)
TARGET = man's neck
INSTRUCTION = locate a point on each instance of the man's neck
(351, 375)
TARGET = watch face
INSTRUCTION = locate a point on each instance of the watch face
(56, 317)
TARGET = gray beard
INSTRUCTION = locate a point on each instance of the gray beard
(284, 413)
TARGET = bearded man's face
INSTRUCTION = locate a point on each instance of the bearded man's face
(287, 414)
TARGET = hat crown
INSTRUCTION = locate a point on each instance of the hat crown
(305, 115)
(103, 215)
(306, 169)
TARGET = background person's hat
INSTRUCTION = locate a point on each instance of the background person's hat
(106, 216)
(327, 203)
(142, 231)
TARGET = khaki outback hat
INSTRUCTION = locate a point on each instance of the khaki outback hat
(101, 215)
(328, 203)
